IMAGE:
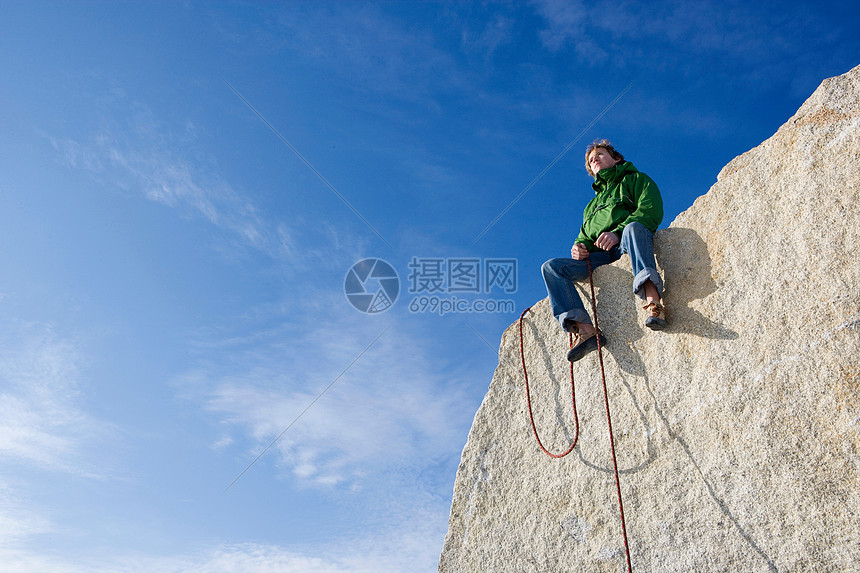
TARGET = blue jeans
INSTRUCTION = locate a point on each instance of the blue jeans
(560, 274)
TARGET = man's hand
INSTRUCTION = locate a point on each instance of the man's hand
(578, 252)
(606, 240)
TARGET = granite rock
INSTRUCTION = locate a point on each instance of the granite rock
(737, 430)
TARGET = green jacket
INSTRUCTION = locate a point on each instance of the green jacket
(622, 195)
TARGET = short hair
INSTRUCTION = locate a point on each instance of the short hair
(603, 144)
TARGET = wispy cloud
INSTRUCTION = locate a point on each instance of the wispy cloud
(371, 49)
(137, 152)
(387, 406)
(245, 557)
(401, 548)
(567, 22)
(17, 520)
(309, 165)
(42, 420)
(44, 428)
(751, 41)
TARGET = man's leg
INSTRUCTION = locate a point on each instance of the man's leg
(638, 242)
(559, 276)
(651, 293)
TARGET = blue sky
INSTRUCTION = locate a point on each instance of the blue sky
(186, 185)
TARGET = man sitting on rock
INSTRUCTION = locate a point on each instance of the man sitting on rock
(621, 218)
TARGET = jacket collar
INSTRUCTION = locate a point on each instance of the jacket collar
(611, 175)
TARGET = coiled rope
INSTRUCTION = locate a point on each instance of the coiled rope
(576, 417)
(529, 397)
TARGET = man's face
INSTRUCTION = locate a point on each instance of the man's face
(600, 159)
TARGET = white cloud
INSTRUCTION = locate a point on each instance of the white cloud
(363, 47)
(396, 552)
(139, 153)
(164, 176)
(385, 414)
(42, 422)
(261, 558)
(228, 559)
(566, 22)
(17, 521)
(136, 151)
(45, 427)
(746, 37)
(389, 409)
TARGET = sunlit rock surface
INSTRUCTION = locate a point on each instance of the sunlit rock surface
(737, 430)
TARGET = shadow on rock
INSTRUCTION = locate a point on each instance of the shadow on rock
(686, 264)
(618, 315)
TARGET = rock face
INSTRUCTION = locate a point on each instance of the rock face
(737, 430)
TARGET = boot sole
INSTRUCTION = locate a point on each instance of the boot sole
(580, 350)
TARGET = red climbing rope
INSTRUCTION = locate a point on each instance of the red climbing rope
(609, 421)
(529, 398)
(575, 417)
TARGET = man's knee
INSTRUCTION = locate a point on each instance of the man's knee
(634, 229)
(635, 233)
(565, 268)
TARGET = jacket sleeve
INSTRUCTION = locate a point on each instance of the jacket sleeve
(583, 239)
(647, 207)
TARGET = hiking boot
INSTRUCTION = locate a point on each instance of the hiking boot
(655, 316)
(583, 344)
